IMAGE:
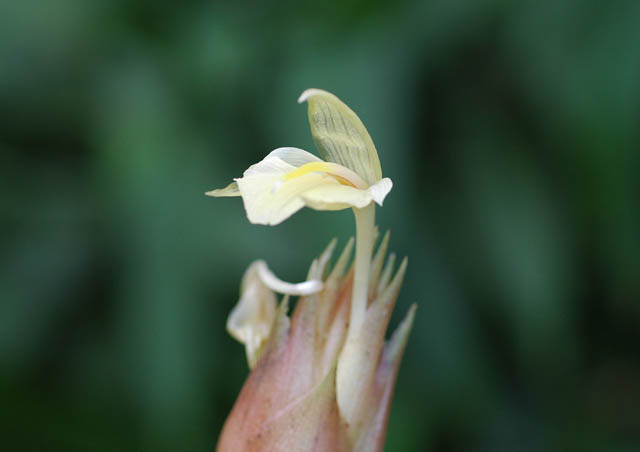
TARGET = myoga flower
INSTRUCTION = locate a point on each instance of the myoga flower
(290, 178)
(325, 381)
(290, 400)
(251, 320)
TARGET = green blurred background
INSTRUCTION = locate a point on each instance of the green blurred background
(511, 131)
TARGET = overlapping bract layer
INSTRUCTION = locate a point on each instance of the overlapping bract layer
(290, 400)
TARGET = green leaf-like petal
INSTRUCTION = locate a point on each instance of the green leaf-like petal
(340, 135)
(228, 191)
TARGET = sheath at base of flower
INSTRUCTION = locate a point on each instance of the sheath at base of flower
(290, 401)
(324, 382)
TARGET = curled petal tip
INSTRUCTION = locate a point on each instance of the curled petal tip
(380, 190)
(276, 284)
(306, 94)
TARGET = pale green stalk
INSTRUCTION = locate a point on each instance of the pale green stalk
(365, 235)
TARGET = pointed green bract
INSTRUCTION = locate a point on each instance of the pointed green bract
(398, 342)
(226, 192)
(340, 135)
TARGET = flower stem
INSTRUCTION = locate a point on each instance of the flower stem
(365, 235)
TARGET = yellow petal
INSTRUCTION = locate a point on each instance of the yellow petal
(337, 197)
(341, 173)
(340, 135)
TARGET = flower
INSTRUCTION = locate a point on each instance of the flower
(288, 179)
(251, 320)
(290, 400)
(324, 379)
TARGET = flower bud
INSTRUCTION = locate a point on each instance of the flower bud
(311, 389)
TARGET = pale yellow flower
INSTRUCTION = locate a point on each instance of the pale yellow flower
(322, 379)
(288, 178)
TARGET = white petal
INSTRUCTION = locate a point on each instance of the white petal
(251, 320)
(336, 197)
(269, 165)
(276, 284)
(380, 190)
(268, 199)
(294, 156)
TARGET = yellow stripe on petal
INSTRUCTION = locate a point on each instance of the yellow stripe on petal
(307, 168)
(342, 174)
(268, 199)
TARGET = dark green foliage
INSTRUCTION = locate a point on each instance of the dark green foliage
(511, 132)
